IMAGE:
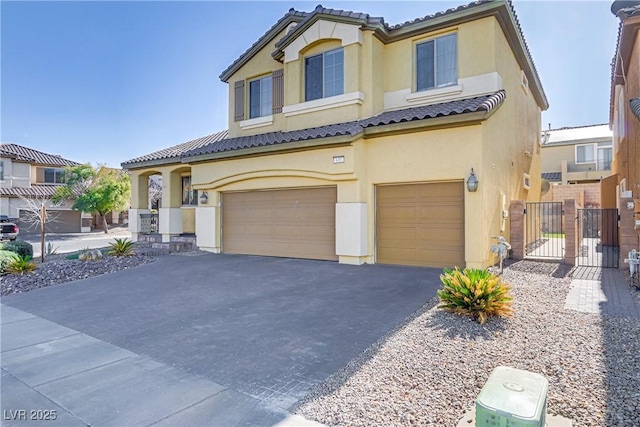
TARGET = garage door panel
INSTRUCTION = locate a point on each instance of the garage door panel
(420, 224)
(297, 223)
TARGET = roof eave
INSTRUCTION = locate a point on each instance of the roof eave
(281, 45)
(259, 45)
(301, 145)
(150, 163)
(441, 122)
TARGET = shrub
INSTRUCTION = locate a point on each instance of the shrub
(121, 247)
(474, 292)
(21, 265)
(50, 249)
(6, 257)
(20, 247)
(90, 255)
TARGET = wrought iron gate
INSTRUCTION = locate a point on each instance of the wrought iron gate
(544, 230)
(598, 238)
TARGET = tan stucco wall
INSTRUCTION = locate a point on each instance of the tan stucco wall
(552, 156)
(371, 68)
(403, 158)
(189, 220)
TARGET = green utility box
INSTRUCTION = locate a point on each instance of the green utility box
(512, 398)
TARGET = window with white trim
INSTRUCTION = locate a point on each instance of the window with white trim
(53, 176)
(260, 97)
(437, 63)
(324, 75)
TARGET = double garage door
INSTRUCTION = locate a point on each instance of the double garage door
(297, 223)
(416, 224)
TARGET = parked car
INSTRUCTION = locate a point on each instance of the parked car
(8, 229)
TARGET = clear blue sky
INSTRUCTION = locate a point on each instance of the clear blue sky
(104, 82)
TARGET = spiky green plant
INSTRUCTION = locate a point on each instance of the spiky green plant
(121, 247)
(474, 292)
(50, 249)
(21, 265)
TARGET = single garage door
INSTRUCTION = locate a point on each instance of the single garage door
(296, 223)
(421, 224)
(59, 222)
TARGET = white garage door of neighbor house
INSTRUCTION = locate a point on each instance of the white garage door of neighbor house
(420, 224)
(292, 223)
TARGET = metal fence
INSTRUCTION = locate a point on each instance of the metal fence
(544, 232)
(148, 223)
(598, 238)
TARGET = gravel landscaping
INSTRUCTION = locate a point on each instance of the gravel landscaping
(430, 370)
(58, 269)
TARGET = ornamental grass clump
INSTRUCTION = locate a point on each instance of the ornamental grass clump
(21, 265)
(474, 292)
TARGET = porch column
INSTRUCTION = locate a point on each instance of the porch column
(351, 233)
(170, 214)
(139, 203)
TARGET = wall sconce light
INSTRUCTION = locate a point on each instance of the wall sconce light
(472, 182)
(203, 198)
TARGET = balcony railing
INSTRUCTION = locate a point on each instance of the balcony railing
(600, 165)
(148, 223)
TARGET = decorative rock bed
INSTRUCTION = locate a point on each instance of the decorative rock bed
(430, 370)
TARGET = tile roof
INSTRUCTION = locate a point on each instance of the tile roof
(175, 152)
(383, 29)
(552, 176)
(470, 105)
(25, 154)
(36, 190)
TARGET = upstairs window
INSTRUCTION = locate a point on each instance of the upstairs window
(584, 154)
(189, 195)
(53, 176)
(324, 75)
(437, 63)
(260, 97)
(1, 170)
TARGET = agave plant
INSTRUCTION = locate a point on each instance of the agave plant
(121, 247)
(474, 292)
(21, 265)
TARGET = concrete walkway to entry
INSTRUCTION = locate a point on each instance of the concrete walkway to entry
(602, 291)
(58, 376)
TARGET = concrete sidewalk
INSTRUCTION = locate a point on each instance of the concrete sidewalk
(54, 375)
(602, 291)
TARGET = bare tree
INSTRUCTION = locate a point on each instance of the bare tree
(35, 212)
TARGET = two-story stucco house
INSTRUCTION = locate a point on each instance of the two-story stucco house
(33, 174)
(353, 140)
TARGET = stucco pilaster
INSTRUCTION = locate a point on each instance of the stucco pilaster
(351, 231)
(170, 222)
(207, 238)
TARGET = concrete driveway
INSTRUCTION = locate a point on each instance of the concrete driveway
(203, 340)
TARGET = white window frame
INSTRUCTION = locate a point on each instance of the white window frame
(260, 94)
(435, 63)
(324, 86)
(593, 154)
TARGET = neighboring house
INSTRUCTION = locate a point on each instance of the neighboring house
(352, 140)
(625, 103)
(33, 174)
(577, 155)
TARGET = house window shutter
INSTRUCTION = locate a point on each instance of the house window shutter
(278, 91)
(239, 100)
